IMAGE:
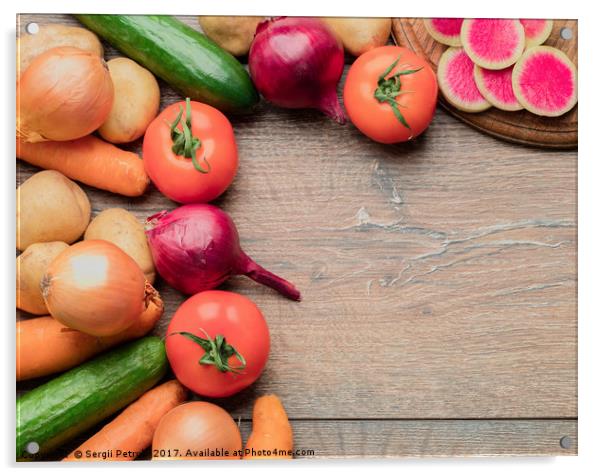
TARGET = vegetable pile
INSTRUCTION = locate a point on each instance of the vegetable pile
(188, 60)
(498, 62)
(64, 407)
(87, 281)
(133, 430)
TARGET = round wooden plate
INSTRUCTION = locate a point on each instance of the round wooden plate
(521, 126)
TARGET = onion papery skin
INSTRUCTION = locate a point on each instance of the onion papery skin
(196, 248)
(94, 287)
(297, 63)
(65, 94)
(197, 427)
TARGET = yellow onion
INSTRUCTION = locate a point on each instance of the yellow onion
(197, 430)
(65, 93)
(94, 287)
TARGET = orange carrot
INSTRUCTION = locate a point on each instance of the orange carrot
(45, 346)
(92, 161)
(132, 431)
(271, 431)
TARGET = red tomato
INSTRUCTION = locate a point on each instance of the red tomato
(371, 100)
(175, 175)
(208, 315)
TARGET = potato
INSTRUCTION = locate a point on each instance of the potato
(359, 35)
(50, 207)
(136, 101)
(31, 266)
(234, 34)
(122, 228)
(50, 36)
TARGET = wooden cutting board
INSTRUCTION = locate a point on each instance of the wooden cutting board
(521, 126)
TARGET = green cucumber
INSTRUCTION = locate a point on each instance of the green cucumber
(180, 55)
(64, 407)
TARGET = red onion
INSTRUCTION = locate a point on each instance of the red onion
(196, 248)
(297, 63)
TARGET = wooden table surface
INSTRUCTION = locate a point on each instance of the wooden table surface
(438, 278)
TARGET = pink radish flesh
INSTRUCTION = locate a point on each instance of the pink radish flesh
(533, 27)
(445, 30)
(447, 26)
(546, 82)
(456, 78)
(493, 43)
(498, 84)
(536, 31)
(459, 77)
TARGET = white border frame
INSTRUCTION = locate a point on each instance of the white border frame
(589, 227)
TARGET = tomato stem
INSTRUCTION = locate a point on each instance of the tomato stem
(217, 352)
(184, 143)
(389, 88)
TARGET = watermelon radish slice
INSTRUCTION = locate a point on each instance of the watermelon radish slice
(536, 31)
(445, 30)
(455, 75)
(496, 86)
(493, 43)
(545, 81)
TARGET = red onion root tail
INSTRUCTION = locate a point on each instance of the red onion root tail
(265, 277)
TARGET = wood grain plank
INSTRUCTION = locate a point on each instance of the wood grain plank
(439, 276)
(423, 438)
(394, 439)
(522, 126)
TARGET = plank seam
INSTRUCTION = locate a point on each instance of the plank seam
(501, 420)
